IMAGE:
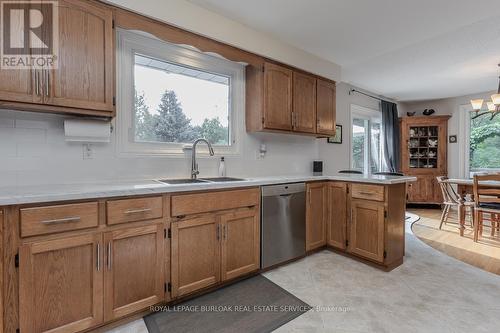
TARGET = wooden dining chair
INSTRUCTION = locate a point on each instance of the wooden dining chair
(451, 199)
(487, 201)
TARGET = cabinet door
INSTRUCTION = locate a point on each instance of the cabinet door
(366, 237)
(277, 97)
(422, 191)
(195, 254)
(240, 243)
(60, 285)
(326, 106)
(18, 85)
(337, 215)
(316, 215)
(304, 103)
(134, 274)
(84, 76)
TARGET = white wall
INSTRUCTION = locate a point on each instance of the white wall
(448, 106)
(34, 152)
(199, 20)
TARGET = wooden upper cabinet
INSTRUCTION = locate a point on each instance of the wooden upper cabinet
(18, 85)
(134, 270)
(304, 103)
(61, 285)
(277, 97)
(195, 254)
(282, 99)
(83, 80)
(326, 107)
(84, 76)
(337, 215)
(240, 243)
(316, 215)
(366, 237)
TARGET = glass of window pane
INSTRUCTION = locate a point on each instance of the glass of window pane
(178, 104)
(359, 143)
(375, 148)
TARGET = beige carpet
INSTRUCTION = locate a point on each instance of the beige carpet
(485, 254)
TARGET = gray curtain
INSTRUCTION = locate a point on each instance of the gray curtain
(392, 141)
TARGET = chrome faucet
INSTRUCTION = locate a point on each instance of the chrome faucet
(194, 165)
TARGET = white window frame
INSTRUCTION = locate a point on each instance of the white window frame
(464, 147)
(130, 43)
(362, 112)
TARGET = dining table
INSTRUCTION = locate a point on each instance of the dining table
(465, 189)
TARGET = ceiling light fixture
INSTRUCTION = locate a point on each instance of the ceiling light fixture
(493, 105)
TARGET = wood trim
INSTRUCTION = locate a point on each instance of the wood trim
(131, 21)
(54, 109)
(1, 273)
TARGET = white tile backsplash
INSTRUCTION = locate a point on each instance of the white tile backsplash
(33, 151)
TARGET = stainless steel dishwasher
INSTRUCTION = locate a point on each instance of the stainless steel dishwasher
(283, 232)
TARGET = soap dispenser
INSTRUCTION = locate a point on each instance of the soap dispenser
(222, 167)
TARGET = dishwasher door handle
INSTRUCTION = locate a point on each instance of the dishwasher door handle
(286, 195)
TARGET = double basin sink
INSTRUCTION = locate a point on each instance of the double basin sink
(200, 180)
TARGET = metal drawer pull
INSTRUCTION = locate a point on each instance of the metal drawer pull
(47, 85)
(98, 257)
(366, 193)
(37, 85)
(225, 233)
(217, 232)
(136, 211)
(109, 256)
(64, 220)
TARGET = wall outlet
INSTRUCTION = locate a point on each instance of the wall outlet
(88, 151)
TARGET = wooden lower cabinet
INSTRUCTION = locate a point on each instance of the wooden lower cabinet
(61, 284)
(337, 215)
(316, 215)
(240, 243)
(367, 229)
(195, 254)
(134, 275)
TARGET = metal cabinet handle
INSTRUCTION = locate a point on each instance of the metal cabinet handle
(36, 83)
(366, 193)
(225, 232)
(47, 79)
(63, 220)
(217, 232)
(98, 256)
(136, 211)
(109, 256)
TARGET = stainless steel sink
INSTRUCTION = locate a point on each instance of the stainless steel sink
(201, 180)
(222, 179)
(181, 181)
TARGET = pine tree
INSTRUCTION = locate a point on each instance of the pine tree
(214, 132)
(144, 120)
(172, 125)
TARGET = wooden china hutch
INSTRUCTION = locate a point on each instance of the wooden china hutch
(424, 155)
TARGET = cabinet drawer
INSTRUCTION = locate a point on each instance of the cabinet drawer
(131, 210)
(52, 219)
(368, 192)
(187, 204)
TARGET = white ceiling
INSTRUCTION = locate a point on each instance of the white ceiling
(402, 49)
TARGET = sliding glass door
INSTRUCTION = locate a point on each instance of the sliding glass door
(366, 140)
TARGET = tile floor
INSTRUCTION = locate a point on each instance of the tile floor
(430, 292)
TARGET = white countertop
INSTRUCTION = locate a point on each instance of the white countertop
(48, 193)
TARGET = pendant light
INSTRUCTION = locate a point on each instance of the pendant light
(493, 105)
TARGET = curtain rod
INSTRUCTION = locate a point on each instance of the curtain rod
(362, 93)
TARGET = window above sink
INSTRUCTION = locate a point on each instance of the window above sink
(170, 95)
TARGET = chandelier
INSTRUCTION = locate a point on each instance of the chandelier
(493, 105)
